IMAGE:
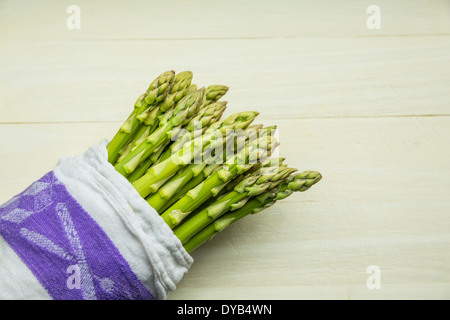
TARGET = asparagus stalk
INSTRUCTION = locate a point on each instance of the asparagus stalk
(269, 161)
(144, 166)
(210, 231)
(278, 162)
(249, 133)
(169, 125)
(255, 183)
(257, 150)
(214, 92)
(181, 178)
(155, 93)
(205, 117)
(203, 120)
(158, 174)
(150, 118)
(195, 181)
(208, 113)
(298, 182)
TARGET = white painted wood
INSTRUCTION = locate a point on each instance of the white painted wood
(214, 19)
(283, 78)
(369, 109)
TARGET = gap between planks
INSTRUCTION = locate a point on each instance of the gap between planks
(297, 118)
(236, 38)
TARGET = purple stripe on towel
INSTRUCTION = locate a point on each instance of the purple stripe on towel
(66, 250)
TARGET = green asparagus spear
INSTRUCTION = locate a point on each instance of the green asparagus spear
(205, 117)
(299, 182)
(253, 153)
(144, 166)
(150, 118)
(213, 93)
(249, 134)
(158, 174)
(202, 120)
(255, 183)
(156, 93)
(176, 182)
(169, 125)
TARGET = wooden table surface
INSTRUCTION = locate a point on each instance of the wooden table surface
(368, 108)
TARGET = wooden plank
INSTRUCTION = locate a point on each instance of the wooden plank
(199, 19)
(282, 78)
(383, 201)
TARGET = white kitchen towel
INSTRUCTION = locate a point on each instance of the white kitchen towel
(83, 232)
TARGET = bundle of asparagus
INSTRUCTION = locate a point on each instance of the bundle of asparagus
(83, 226)
(200, 172)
